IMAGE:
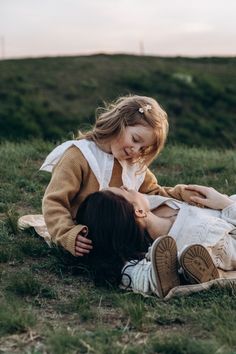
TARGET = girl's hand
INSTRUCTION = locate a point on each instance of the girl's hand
(83, 245)
(210, 197)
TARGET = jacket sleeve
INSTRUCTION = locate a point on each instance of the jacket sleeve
(62, 189)
(151, 186)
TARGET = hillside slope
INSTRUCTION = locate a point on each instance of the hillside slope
(51, 97)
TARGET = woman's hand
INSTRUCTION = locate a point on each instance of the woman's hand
(83, 245)
(209, 198)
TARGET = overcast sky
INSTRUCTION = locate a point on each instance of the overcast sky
(31, 28)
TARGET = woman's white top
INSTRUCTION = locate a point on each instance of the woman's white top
(100, 162)
(197, 225)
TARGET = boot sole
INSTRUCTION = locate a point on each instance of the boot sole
(165, 264)
(198, 264)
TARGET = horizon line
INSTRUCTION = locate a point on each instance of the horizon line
(45, 56)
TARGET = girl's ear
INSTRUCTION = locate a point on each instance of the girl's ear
(140, 213)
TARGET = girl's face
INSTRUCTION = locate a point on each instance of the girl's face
(132, 142)
(138, 200)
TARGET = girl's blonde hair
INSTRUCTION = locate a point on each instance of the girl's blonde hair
(131, 110)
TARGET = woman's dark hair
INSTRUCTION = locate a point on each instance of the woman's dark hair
(115, 235)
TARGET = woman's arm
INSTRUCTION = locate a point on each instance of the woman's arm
(209, 198)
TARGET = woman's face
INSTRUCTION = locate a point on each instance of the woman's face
(138, 200)
(132, 142)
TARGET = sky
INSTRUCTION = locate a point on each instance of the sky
(38, 28)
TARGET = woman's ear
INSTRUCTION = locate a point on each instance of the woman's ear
(140, 213)
(140, 216)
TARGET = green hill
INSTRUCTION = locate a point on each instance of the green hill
(51, 97)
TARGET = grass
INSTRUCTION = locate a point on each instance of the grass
(24, 283)
(80, 304)
(183, 344)
(14, 318)
(48, 303)
(134, 310)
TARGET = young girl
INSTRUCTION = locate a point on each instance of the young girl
(126, 137)
(205, 238)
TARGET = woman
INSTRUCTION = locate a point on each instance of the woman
(196, 231)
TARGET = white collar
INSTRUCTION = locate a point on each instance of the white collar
(100, 162)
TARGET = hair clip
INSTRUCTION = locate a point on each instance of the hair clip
(146, 108)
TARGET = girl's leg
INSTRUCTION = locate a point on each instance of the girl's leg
(157, 275)
(197, 264)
